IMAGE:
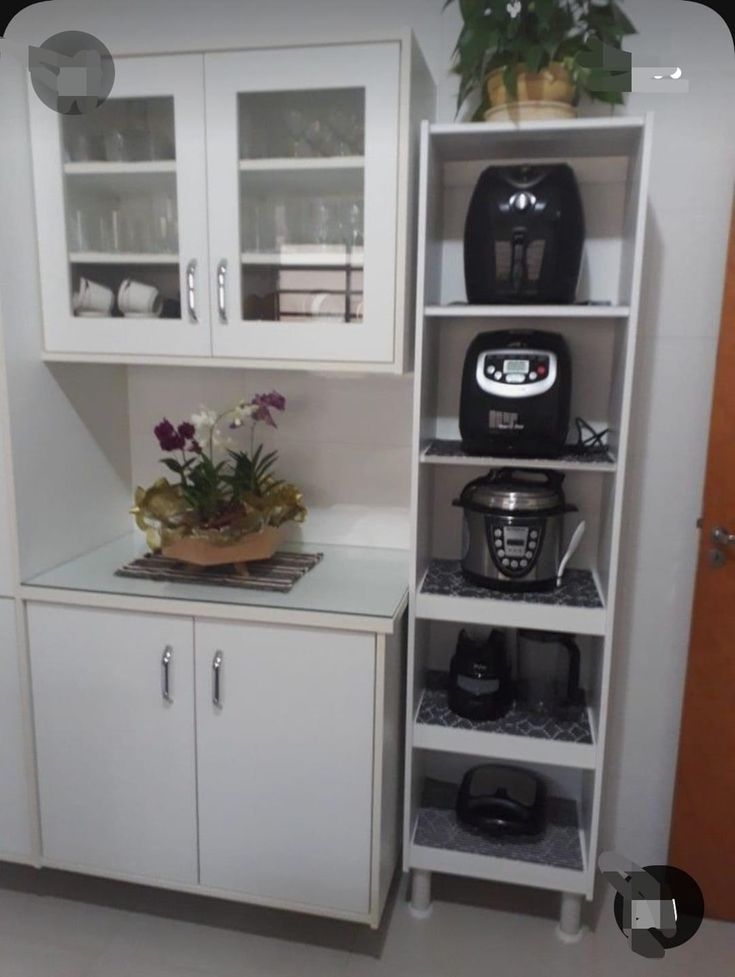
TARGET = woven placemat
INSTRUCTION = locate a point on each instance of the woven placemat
(279, 573)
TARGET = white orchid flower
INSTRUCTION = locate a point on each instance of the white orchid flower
(514, 8)
(220, 440)
(244, 412)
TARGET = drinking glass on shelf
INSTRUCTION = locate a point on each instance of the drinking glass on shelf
(115, 149)
(83, 145)
(323, 224)
(348, 131)
(353, 222)
(165, 225)
(108, 223)
(251, 217)
(296, 125)
(79, 231)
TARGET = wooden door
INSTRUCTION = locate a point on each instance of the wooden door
(703, 828)
(302, 162)
(15, 814)
(121, 198)
(285, 762)
(116, 757)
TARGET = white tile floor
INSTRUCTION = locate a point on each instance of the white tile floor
(55, 925)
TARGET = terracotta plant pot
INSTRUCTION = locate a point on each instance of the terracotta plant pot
(257, 546)
(547, 94)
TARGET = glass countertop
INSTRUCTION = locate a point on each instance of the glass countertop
(355, 580)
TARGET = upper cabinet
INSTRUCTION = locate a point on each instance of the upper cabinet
(252, 205)
(121, 206)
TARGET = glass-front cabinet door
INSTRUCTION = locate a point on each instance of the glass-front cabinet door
(122, 215)
(302, 171)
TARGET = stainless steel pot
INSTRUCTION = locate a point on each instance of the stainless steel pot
(514, 529)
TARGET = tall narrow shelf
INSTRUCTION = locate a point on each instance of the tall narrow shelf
(611, 158)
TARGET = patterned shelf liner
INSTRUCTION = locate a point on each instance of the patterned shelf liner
(434, 711)
(444, 579)
(443, 448)
(437, 826)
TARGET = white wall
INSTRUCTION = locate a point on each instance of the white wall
(692, 181)
(343, 439)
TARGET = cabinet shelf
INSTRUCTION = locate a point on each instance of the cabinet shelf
(305, 164)
(576, 607)
(106, 168)
(450, 452)
(553, 860)
(304, 259)
(518, 736)
(459, 311)
(560, 138)
(114, 258)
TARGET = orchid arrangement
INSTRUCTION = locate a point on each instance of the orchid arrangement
(223, 492)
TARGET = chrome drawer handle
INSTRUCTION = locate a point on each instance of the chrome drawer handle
(217, 679)
(191, 287)
(168, 655)
(222, 290)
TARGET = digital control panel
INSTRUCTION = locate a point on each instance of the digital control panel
(515, 548)
(532, 370)
(516, 373)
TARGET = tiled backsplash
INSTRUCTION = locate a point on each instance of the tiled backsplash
(344, 439)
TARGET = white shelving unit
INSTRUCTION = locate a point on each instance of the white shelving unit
(611, 159)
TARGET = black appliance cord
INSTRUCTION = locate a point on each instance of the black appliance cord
(589, 441)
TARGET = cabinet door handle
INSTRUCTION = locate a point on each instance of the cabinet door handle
(191, 290)
(217, 679)
(168, 655)
(222, 290)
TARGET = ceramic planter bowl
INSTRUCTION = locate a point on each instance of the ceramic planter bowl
(547, 94)
(258, 546)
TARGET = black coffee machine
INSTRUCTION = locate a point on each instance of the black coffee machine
(516, 394)
(480, 685)
(524, 236)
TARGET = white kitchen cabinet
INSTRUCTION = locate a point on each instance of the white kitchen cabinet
(115, 742)
(270, 774)
(121, 197)
(274, 214)
(15, 814)
(285, 757)
(303, 150)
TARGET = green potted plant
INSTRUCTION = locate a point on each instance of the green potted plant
(529, 59)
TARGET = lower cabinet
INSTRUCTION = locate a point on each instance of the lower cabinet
(15, 802)
(113, 697)
(285, 744)
(237, 758)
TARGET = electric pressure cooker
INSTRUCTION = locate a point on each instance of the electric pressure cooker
(514, 529)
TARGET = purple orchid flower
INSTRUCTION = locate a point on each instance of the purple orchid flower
(267, 402)
(175, 439)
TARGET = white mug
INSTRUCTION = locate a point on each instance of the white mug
(136, 299)
(93, 299)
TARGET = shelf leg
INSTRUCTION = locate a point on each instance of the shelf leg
(570, 929)
(420, 905)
